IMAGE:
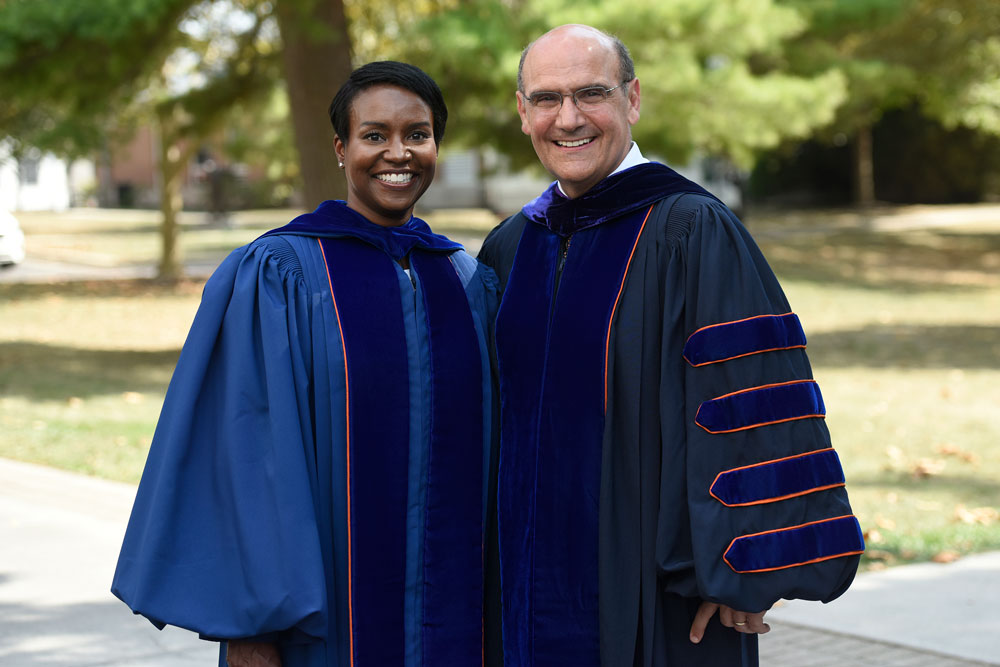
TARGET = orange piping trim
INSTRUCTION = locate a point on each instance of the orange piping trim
(763, 386)
(781, 530)
(745, 319)
(776, 421)
(743, 391)
(347, 410)
(614, 308)
(776, 498)
(745, 354)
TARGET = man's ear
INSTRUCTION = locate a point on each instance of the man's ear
(522, 111)
(633, 102)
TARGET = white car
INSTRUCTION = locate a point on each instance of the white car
(11, 240)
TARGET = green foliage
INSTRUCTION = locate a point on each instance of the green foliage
(698, 61)
(943, 55)
(71, 71)
(64, 64)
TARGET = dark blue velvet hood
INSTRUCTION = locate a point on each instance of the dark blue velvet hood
(333, 219)
(615, 196)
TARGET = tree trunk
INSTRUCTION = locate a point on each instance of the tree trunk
(172, 161)
(864, 171)
(317, 60)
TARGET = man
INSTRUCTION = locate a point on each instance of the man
(665, 471)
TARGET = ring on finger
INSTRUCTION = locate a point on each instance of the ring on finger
(739, 622)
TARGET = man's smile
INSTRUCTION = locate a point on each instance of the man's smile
(574, 143)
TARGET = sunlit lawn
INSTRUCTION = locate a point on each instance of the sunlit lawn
(904, 336)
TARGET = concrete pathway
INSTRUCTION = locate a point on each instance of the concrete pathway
(59, 540)
(60, 534)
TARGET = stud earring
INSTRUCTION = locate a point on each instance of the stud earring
(340, 164)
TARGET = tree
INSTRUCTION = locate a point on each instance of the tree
(317, 57)
(73, 71)
(941, 54)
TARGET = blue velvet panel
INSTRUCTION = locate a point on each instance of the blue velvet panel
(378, 444)
(775, 480)
(551, 345)
(796, 545)
(453, 535)
(760, 406)
(753, 335)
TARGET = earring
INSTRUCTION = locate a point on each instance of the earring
(340, 164)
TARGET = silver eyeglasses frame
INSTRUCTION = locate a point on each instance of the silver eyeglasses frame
(534, 101)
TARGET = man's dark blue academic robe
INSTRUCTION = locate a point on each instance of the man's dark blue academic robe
(317, 473)
(662, 440)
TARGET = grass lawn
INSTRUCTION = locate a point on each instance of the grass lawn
(904, 336)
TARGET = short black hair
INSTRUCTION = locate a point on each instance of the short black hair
(626, 66)
(388, 73)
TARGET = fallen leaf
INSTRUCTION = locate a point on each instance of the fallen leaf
(946, 556)
(873, 537)
(949, 449)
(981, 515)
(928, 467)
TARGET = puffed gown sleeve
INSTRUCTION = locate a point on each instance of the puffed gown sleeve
(768, 516)
(223, 537)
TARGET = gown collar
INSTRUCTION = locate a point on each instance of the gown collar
(617, 195)
(334, 219)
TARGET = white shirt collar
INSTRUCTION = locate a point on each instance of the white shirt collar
(632, 158)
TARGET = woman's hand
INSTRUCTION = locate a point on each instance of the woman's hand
(740, 621)
(252, 654)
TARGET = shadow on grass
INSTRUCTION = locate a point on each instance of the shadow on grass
(912, 261)
(909, 346)
(86, 289)
(975, 488)
(57, 373)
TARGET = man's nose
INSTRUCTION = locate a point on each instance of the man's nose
(569, 116)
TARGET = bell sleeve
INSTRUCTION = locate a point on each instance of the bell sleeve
(769, 515)
(223, 536)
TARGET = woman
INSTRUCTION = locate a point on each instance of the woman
(314, 494)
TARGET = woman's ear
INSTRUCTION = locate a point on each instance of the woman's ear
(340, 149)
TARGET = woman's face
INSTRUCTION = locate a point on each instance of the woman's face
(389, 155)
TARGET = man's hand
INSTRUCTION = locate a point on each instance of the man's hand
(252, 654)
(741, 621)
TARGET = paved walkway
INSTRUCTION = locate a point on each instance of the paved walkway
(60, 534)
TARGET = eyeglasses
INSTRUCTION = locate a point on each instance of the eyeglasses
(585, 99)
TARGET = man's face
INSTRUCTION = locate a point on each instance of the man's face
(579, 148)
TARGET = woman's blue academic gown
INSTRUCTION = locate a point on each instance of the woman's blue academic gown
(317, 473)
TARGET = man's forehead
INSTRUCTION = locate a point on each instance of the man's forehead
(569, 62)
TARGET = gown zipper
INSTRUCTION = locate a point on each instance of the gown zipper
(560, 265)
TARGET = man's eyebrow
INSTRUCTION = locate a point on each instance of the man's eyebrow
(588, 85)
